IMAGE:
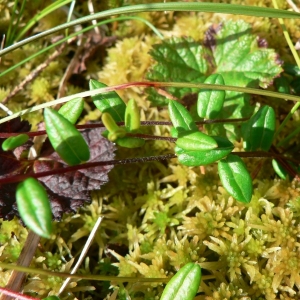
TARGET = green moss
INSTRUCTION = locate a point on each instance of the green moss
(159, 216)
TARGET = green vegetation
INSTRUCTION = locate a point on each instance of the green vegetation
(186, 174)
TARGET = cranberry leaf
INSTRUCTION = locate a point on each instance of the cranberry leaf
(236, 178)
(180, 118)
(15, 141)
(109, 102)
(65, 138)
(34, 207)
(195, 141)
(210, 102)
(202, 158)
(72, 109)
(259, 131)
(184, 284)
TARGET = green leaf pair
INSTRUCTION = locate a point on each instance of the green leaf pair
(202, 158)
(70, 111)
(115, 110)
(184, 284)
(118, 135)
(32, 199)
(195, 148)
(114, 131)
(232, 170)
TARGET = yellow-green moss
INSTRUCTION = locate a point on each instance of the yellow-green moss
(162, 213)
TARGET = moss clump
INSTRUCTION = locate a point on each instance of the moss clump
(159, 216)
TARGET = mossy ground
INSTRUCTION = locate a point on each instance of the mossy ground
(160, 215)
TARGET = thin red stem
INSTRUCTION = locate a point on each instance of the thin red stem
(143, 123)
(21, 177)
(265, 154)
(152, 137)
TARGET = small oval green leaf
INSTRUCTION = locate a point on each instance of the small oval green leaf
(259, 130)
(210, 102)
(282, 84)
(291, 69)
(114, 131)
(184, 284)
(109, 122)
(72, 109)
(236, 178)
(109, 102)
(130, 142)
(180, 118)
(196, 140)
(203, 158)
(14, 142)
(65, 138)
(279, 169)
(132, 116)
(34, 207)
(51, 298)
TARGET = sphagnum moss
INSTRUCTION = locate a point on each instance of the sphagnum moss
(246, 252)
